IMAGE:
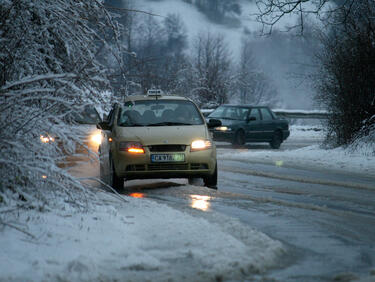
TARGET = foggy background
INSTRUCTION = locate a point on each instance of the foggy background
(283, 61)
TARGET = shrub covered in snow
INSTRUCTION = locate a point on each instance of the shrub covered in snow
(364, 143)
(347, 74)
(48, 70)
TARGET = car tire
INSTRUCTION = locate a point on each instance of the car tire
(276, 140)
(239, 138)
(211, 181)
(116, 182)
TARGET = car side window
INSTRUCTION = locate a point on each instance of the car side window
(266, 115)
(255, 113)
(243, 113)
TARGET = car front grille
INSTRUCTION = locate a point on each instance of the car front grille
(170, 166)
(198, 166)
(167, 148)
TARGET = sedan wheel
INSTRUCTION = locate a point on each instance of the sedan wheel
(239, 138)
(276, 140)
(211, 181)
(116, 182)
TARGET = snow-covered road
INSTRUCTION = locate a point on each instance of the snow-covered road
(284, 215)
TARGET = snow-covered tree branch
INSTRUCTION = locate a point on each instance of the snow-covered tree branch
(48, 70)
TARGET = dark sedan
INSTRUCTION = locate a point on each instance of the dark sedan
(242, 123)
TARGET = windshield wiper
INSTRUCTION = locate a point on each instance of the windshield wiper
(228, 118)
(131, 125)
(168, 123)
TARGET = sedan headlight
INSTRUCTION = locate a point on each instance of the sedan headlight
(223, 128)
(96, 138)
(198, 145)
(46, 138)
(131, 147)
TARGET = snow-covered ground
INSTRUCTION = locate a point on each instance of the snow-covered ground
(125, 238)
(314, 156)
(131, 240)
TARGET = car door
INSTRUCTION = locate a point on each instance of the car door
(267, 124)
(253, 126)
(104, 149)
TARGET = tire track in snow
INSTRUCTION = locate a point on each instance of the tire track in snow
(296, 178)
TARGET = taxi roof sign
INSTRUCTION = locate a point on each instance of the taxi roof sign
(154, 92)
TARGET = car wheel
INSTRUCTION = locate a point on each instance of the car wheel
(104, 173)
(116, 182)
(239, 138)
(276, 140)
(211, 181)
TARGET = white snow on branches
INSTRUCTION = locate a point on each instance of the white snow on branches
(48, 71)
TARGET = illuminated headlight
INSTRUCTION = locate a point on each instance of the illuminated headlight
(131, 147)
(46, 139)
(223, 128)
(96, 138)
(200, 145)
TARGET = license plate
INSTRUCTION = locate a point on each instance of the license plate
(164, 158)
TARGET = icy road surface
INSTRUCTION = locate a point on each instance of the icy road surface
(322, 209)
(295, 214)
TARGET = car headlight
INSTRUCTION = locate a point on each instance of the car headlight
(198, 145)
(46, 138)
(96, 138)
(131, 147)
(223, 128)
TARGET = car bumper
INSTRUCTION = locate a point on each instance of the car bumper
(139, 166)
(224, 136)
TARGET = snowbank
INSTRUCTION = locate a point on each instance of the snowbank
(135, 240)
(315, 157)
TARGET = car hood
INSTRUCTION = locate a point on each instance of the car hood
(163, 134)
(230, 122)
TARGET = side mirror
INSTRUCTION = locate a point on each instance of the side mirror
(251, 118)
(103, 125)
(213, 123)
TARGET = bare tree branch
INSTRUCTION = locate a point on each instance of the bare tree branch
(272, 11)
(132, 10)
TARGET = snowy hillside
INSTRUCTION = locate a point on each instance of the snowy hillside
(282, 57)
(197, 22)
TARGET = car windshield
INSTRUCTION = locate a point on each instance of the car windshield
(230, 112)
(89, 115)
(159, 113)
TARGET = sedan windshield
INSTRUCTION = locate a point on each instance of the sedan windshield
(159, 113)
(230, 112)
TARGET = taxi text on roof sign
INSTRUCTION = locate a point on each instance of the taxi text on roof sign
(154, 92)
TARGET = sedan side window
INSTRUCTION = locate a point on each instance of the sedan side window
(255, 113)
(266, 115)
(243, 113)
